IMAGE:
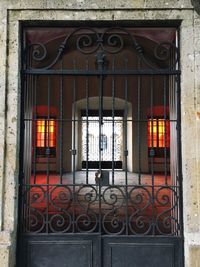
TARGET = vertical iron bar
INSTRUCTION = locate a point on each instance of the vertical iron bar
(178, 198)
(47, 124)
(100, 125)
(35, 128)
(171, 116)
(175, 198)
(125, 125)
(74, 125)
(74, 142)
(27, 123)
(100, 61)
(138, 122)
(27, 147)
(152, 159)
(100, 117)
(30, 112)
(180, 177)
(125, 143)
(113, 120)
(179, 148)
(29, 133)
(22, 187)
(165, 123)
(87, 122)
(61, 125)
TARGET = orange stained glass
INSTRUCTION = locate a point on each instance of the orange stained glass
(46, 133)
(50, 133)
(161, 133)
(158, 133)
(152, 133)
(40, 133)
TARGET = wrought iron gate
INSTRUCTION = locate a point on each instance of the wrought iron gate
(73, 213)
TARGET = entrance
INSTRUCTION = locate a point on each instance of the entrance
(100, 175)
(111, 139)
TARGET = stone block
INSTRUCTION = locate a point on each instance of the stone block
(194, 255)
(168, 4)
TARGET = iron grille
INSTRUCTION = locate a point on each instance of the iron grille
(132, 74)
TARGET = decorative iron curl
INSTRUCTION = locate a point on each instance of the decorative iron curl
(84, 44)
(37, 194)
(166, 223)
(60, 222)
(35, 221)
(165, 199)
(62, 199)
(112, 223)
(38, 51)
(86, 222)
(139, 222)
(86, 195)
(162, 52)
(113, 196)
(114, 41)
(138, 197)
(110, 41)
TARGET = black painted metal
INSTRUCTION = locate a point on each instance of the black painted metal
(124, 252)
(80, 219)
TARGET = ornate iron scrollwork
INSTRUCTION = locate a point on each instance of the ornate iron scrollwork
(166, 221)
(114, 201)
(89, 41)
(140, 222)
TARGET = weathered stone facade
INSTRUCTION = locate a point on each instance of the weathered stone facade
(13, 13)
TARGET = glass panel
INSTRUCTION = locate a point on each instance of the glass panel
(51, 133)
(41, 133)
(158, 133)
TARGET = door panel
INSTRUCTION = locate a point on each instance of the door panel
(57, 250)
(145, 252)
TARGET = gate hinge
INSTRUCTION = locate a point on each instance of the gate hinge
(125, 153)
(178, 126)
(73, 151)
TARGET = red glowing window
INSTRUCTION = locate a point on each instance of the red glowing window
(158, 133)
(46, 136)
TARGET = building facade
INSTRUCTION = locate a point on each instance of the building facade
(24, 24)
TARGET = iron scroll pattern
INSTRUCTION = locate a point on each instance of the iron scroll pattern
(108, 210)
(89, 41)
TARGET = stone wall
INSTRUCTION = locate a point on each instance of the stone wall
(13, 13)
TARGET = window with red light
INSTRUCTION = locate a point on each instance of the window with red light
(158, 133)
(46, 137)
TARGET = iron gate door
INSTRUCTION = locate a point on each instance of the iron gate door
(100, 181)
